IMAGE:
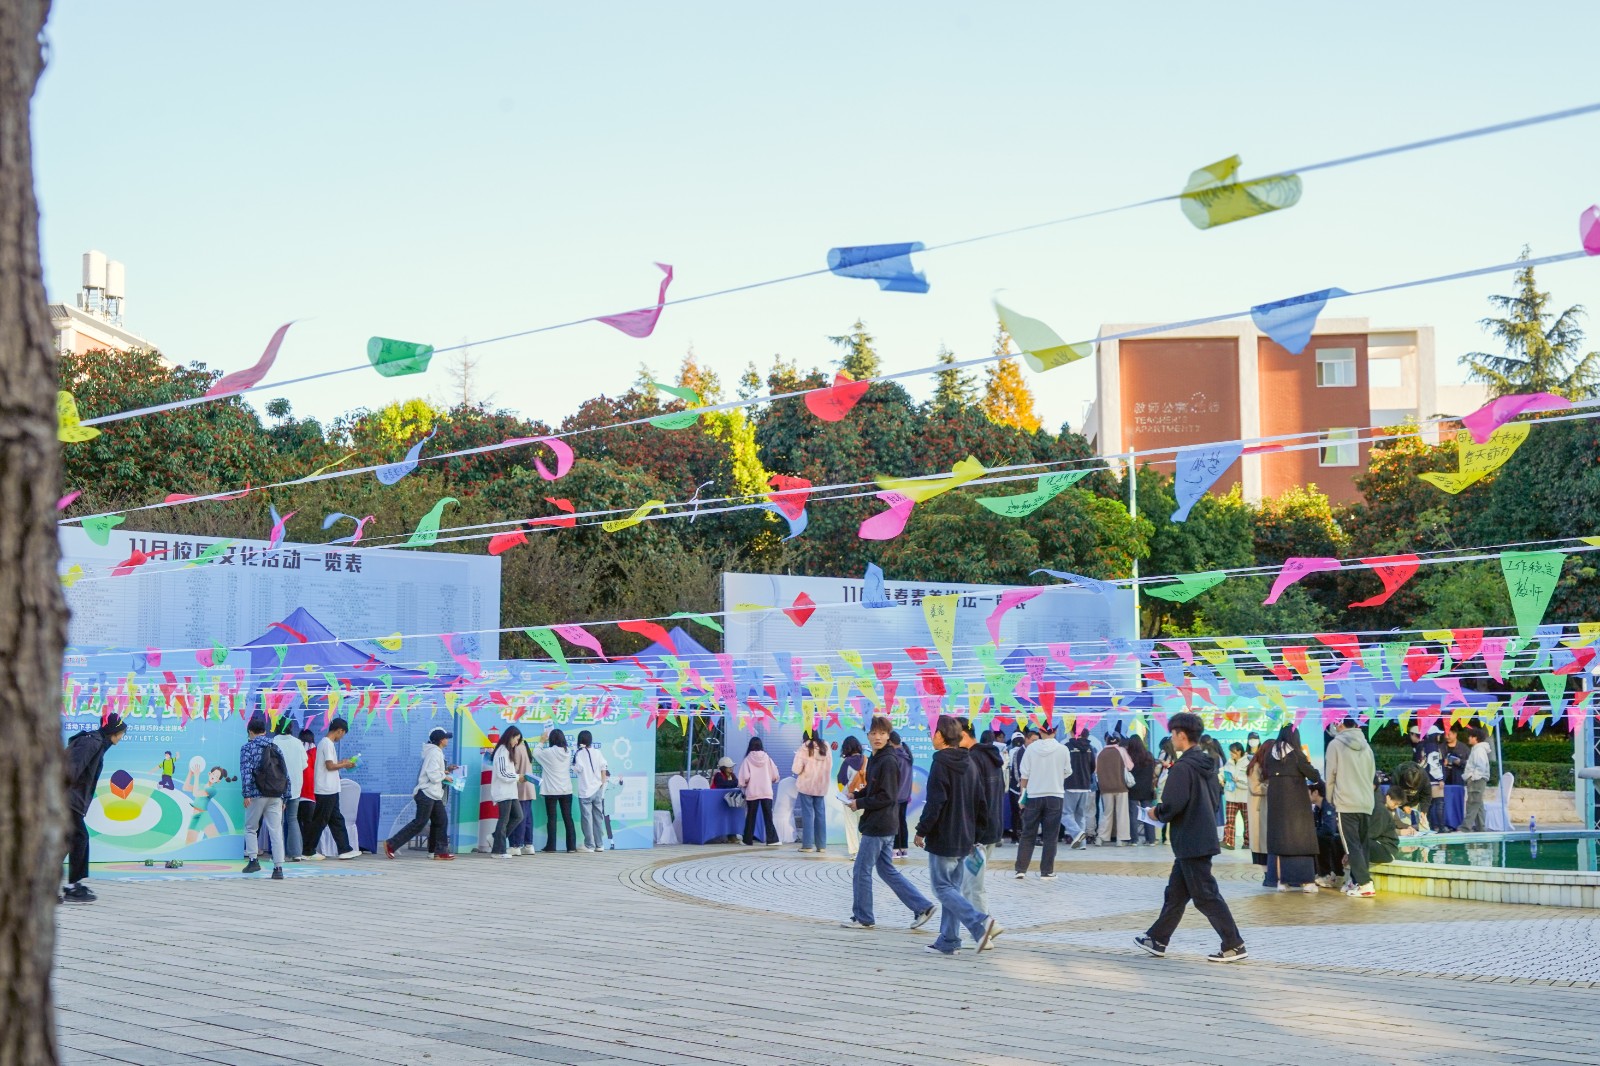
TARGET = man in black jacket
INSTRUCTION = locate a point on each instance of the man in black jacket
(1189, 806)
(86, 754)
(880, 816)
(991, 821)
(948, 830)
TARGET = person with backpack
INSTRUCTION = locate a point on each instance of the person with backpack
(264, 780)
(86, 755)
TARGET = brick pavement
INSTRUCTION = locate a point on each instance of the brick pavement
(731, 955)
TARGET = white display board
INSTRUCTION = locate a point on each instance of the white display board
(357, 593)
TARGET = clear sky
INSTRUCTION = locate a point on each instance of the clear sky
(445, 172)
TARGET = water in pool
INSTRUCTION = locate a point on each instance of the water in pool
(1516, 851)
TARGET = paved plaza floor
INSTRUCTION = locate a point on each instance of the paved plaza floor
(734, 955)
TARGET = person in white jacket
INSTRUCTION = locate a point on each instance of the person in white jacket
(503, 789)
(431, 782)
(592, 772)
(555, 782)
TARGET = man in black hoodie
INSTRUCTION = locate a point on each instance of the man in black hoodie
(880, 814)
(948, 831)
(1189, 806)
(991, 813)
(86, 754)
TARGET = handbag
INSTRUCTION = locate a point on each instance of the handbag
(1127, 778)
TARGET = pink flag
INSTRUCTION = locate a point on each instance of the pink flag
(1393, 571)
(887, 525)
(1182, 648)
(244, 379)
(66, 501)
(1497, 412)
(1293, 570)
(581, 637)
(468, 667)
(1494, 656)
(1008, 600)
(1589, 229)
(562, 449)
(642, 323)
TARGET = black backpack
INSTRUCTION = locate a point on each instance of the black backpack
(272, 773)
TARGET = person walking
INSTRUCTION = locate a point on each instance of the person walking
(1114, 769)
(1077, 804)
(1043, 770)
(948, 831)
(1476, 777)
(86, 755)
(1189, 808)
(298, 761)
(326, 814)
(521, 839)
(1291, 832)
(555, 781)
(503, 780)
(813, 770)
(757, 774)
(990, 821)
(1142, 793)
(429, 796)
(592, 773)
(264, 781)
(1236, 783)
(1349, 770)
(902, 833)
(877, 803)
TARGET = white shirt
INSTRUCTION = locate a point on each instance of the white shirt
(294, 757)
(1044, 767)
(503, 782)
(555, 765)
(591, 766)
(327, 781)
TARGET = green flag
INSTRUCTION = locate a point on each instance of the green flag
(394, 359)
(542, 636)
(1187, 586)
(1530, 579)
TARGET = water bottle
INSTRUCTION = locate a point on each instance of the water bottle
(1533, 824)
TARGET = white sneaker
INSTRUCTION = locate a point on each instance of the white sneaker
(1309, 887)
(353, 853)
(501, 855)
(527, 849)
(1366, 891)
(318, 857)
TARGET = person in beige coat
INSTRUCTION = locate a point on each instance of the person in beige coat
(1257, 813)
(522, 836)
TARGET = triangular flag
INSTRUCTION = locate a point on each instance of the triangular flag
(1530, 580)
(1199, 469)
(940, 611)
(1393, 571)
(1041, 346)
(1294, 570)
(1186, 587)
(1290, 322)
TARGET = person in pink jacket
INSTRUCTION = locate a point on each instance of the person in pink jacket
(757, 774)
(813, 773)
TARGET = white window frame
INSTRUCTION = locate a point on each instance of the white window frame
(1339, 447)
(1346, 357)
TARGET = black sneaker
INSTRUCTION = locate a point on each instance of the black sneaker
(922, 919)
(1149, 945)
(277, 873)
(1238, 954)
(78, 894)
(251, 867)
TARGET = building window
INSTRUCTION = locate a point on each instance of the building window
(1336, 368)
(1339, 447)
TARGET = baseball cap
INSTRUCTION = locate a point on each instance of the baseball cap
(724, 761)
(438, 735)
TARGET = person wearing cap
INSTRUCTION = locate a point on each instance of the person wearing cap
(262, 802)
(724, 777)
(1043, 770)
(86, 755)
(431, 782)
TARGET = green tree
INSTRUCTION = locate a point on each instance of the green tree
(860, 359)
(1006, 396)
(750, 382)
(1541, 347)
(1218, 535)
(953, 388)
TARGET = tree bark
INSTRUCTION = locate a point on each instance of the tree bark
(33, 616)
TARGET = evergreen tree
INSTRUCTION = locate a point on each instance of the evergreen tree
(860, 358)
(1006, 396)
(1541, 347)
(750, 382)
(953, 388)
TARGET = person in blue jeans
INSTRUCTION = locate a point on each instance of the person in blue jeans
(880, 813)
(948, 831)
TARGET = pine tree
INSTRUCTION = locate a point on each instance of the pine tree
(1007, 400)
(860, 358)
(750, 382)
(645, 382)
(702, 379)
(953, 388)
(1541, 346)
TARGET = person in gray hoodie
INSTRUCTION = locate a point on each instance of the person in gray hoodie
(1349, 771)
(432, 780)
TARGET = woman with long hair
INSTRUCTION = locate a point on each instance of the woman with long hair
(1142, 794)
(813, 765)
(592, 772)
(1291, 831)
(503, 789)
(1256, 805)
(757, 774)
(555, 781)
(851, 759)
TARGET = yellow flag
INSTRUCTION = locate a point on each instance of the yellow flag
(851, 657)
(923, 489)
(1041, 346)
(1214, 198)
(940, 611)
(636, 517)
(1478, 460)
(67, 427)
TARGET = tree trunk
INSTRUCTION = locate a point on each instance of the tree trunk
(33, 617)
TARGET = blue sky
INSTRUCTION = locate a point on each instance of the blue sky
(449, 172)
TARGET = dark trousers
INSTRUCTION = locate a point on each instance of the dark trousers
(1040, 812)
(1330, 857)
(326, 815)
(902, 837)
(1192, 880)
(551, 805)
(1353, 828)
(1014, 804)
(765, 807)
(77, 849)
(430, 813)
(510, 819)
(303, 809)
(522, 835)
